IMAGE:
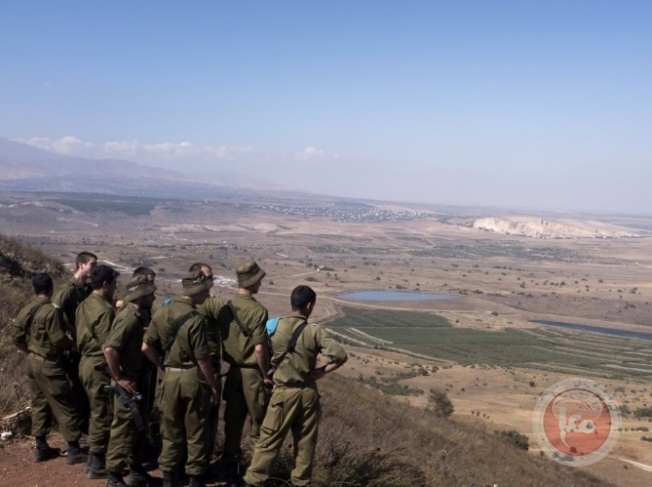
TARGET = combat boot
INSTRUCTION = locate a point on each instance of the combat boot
(87, 466)
(98, 467)
(168, 479)
(44, 451)
(196, 481)
(138, 476)
(232, 474)
(75, 454)
(114, 479)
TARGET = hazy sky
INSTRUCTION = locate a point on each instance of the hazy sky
(535, 104)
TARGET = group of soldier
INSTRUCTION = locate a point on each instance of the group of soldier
(92, 363)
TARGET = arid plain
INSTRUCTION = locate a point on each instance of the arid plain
(583, 269)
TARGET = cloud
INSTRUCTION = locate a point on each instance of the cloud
(310, 154)
(171, 154)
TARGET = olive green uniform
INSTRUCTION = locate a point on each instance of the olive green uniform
(68, 299)
(186, 396)
(94, 318)
(50, 390)
(244, 389)
(211, 309)
(126, 443)
(294, 405)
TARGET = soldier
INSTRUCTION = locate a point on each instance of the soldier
(179, 331)
(295, 401)
(94, 318)
(127, 364)
(67, 299)
(247, 387)
(39, 331)
(75, 290)
(211, 309)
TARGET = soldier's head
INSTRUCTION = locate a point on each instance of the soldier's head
(42, 284)
(145, 271)
(201, 266)
(140, 291)
(84, 264)
(196, 286)
(303, 300)
(104, 280)
(250, 276)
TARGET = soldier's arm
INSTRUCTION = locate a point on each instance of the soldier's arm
(55, 328)
(103, 325)
(17, 332)
(334, 351)
(149, 346)
(112, 356)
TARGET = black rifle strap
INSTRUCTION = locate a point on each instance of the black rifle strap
(243, 330)
(293, 340)
(177, 326)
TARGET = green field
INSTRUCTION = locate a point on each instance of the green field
(552, 350)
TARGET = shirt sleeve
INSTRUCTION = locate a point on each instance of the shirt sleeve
(259, 329)
(198, 338)
(103, 325)
(329, 347)
(54, 327)
(121, 333)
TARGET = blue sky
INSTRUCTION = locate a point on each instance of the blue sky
(543, 105)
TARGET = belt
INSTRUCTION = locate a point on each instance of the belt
(179, 369)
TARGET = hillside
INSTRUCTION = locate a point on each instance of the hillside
(543, 228)
(367, 439)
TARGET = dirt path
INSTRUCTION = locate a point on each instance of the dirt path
(17, 468)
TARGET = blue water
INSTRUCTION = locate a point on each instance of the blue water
(597, 329)
(394, 296)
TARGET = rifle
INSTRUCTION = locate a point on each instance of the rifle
(131, 402)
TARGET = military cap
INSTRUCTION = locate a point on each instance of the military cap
(196, 282)
(139, 287)
(249, 273)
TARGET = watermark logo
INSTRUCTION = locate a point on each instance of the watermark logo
(576, 422)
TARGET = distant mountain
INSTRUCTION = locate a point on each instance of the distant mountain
(27, 168)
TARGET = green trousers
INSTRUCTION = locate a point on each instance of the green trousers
(290, 409)
(185, 407)
(126, 443)
(51, 395)
(244, 394)
(94, 380)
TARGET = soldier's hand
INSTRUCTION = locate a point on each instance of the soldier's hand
(128, 385)
(216, 395)
(269, 383)
(318, 373)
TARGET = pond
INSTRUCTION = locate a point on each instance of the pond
(597, 329)
(384, 295)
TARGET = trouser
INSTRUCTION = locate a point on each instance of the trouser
(290, 409)
(214, 415)
(51, 394)
(126, 443)
(244, 393)
(185, 406)
(71, 367)
(94, 379)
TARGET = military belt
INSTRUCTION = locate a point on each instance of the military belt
(179, 369)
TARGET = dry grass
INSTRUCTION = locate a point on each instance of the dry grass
(368, 439)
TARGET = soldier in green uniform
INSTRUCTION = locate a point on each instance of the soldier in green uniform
(294, 405)
(94, 317)
(247, 387)
(39, 331)
(127, 364)
(179, 332)
(67, 299)
(211, 309)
